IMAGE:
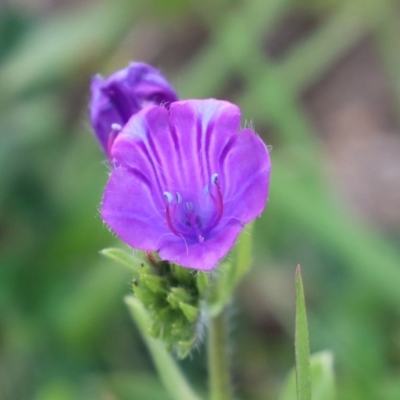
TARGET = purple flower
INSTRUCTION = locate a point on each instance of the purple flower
(115, 99)
(186, 180)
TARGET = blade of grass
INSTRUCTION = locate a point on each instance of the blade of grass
(303, 371)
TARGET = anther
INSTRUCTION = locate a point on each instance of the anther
(116, 127)
(217, 200)
(189, 206)
(178, 197)
(168, 196)
(206, 190)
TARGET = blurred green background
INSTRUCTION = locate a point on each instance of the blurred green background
(319, 80)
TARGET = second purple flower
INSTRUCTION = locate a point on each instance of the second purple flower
(116, 98)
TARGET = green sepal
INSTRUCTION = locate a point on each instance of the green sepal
(185, 347)
(155, 284)
(130, 260)
(203, 282)
(145, 296)
(178, 295)
(191, 313)
(155, 330)
(184, 275)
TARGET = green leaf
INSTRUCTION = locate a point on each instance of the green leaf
(132, 261)
(243, 253)
(322, 376)
(230, 273)
(169, 372)
(303, 373)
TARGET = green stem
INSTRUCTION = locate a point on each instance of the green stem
(218, 365)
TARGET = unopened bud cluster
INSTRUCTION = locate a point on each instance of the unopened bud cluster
(173, 297)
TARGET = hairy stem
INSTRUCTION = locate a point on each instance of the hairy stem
(218, 365)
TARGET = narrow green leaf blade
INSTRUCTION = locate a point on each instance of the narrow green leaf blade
(243, 253)
(169, 372)
(230, 273)
(303, 372)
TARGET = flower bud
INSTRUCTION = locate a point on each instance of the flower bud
(170, 294)
(116, 98)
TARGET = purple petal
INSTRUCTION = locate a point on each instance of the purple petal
(200, 128)
(115, 99)
(246, 167)
(203, 256)
(130, 210)
(143, 144)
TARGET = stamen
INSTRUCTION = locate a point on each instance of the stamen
(111, 138)
(218, 202)
(168, 196)
(194, 225)
(169, 221)
(116, 127)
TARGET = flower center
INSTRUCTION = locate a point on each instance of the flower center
(184, 220)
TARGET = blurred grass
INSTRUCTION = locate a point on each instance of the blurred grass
(64, 330)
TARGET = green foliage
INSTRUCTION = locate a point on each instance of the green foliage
(322, 378)
(168, 370)
(302, 347)
(130, 261)
(229, 273)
